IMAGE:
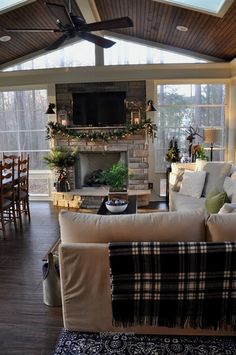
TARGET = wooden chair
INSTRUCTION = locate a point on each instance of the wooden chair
(22, 195)
(7, 196)
(9, 157)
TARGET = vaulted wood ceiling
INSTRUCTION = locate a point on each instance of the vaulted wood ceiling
(153, 21)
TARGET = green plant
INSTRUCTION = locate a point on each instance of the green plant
(172, 155)
(116, 177)
(59, 159)
(200, 152)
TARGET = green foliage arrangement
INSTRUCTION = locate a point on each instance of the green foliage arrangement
(200, 152)
(116, 177)
(173, 153)
(59, 159)
(55, 129)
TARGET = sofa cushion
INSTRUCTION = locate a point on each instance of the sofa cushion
(215, 200)
(221, 227)
(228, 208)
(164, 226)
(178, 202)
(229, 187)
(215, 174)
(233, 176)
(192, 183)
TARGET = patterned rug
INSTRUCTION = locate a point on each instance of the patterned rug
(75, 343)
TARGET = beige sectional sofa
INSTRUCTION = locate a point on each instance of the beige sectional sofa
(220, 175)
(84, 260)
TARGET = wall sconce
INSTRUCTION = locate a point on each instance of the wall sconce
(150, 106)
(50, 110)
(212, 135)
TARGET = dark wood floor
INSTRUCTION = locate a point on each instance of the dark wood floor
(27, 326)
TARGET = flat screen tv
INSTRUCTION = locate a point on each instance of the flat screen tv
(99, 108)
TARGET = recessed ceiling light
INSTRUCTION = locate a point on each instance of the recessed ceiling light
(5, 38)
(182, 28)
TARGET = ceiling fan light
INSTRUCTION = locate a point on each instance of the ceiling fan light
(5, 38)
(182, 28)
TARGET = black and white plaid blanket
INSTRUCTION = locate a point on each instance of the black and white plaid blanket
(190, 284)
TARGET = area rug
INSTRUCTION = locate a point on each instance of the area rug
(76, 343)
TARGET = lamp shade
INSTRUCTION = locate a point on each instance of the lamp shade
(212, 135)
(150, 106)
(50, 110)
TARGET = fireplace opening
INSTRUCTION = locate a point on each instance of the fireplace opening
(90, 165)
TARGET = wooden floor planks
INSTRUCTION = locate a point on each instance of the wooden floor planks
(27, 326)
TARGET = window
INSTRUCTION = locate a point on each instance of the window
(22, 129)
(213, 7)
(181, 106)
(78, 54)
(7, 5)
(126, 52)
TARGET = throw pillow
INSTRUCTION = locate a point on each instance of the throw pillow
(215, 175)
(192, 183)
(233, 200)
(178, 180)
(233, 176)
(215, 200)
(228, 208)
(229, 187)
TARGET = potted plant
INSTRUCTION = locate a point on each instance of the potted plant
(116, 178)
(199, 152)
(59, 160)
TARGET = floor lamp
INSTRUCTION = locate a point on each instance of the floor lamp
(212, 135)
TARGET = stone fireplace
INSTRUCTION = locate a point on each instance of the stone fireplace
(132, 149)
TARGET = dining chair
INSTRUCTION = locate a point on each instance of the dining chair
(7, 196)
(22, 195)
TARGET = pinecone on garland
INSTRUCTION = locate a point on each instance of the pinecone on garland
(173, 153)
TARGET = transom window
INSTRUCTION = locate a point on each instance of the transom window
(127, 52)
(78, 54)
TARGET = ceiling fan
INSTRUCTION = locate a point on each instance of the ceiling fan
(71, 25)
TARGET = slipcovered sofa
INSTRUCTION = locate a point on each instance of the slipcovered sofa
(84, 260)
(191, 183)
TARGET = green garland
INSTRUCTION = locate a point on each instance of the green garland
(54, 129)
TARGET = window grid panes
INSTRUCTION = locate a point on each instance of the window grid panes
(181, 106)
(22, 126)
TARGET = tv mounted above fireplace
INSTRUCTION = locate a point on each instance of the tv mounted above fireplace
(99, 109)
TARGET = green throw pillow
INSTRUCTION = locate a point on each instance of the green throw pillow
(215, 200)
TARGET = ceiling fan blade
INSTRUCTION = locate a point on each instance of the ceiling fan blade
(60, 13)
(107, 24)
(29, 30)
(57, 43)
(99, 41)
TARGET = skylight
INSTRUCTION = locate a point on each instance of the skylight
(7, 5)
(212, 7)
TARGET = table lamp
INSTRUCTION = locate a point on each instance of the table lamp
(212, 135)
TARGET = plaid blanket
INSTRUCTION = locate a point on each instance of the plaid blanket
(174, 284)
